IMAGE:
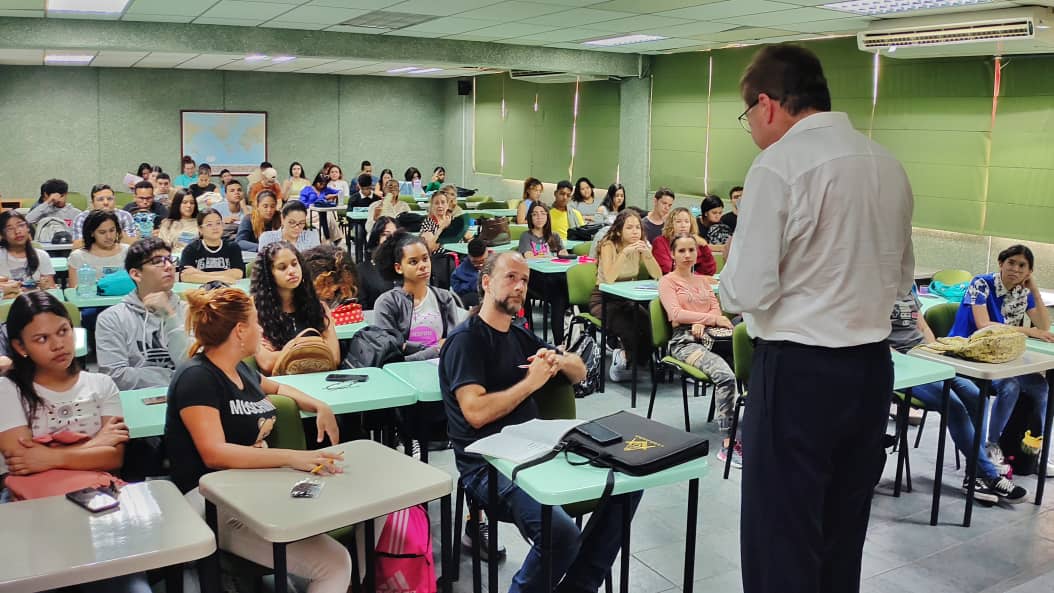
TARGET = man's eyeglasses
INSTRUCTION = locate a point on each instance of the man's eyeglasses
(212, 225)
(296, 225)
(160, 260)
(743, 121)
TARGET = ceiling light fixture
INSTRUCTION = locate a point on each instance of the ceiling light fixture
(87, 6)
(256, 58)
(402, 70)
(282, 59)
(426, 70)
(881, 7)
(623, 40)
(69, 59)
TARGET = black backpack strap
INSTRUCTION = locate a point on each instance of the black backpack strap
(550, 455)
(602, 505)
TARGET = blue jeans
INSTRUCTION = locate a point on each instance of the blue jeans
(582, 564)
(1007, 392)
(962, 404)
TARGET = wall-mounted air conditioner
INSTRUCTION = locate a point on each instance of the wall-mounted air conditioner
(552, 77)
(988, 33)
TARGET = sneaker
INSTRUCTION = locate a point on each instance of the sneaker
(995, 455)
(1007, 490)
(915, 416)
(619, 370)
(484, 541)
(724, 425)
(982, 490)
(415, 449)
(737, 456)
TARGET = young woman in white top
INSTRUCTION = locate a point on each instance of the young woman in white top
(103, 250)
(296, 181)
(46, 400)
(337, 182)
(181, 227)
(390, 205)
(614, 202)
(22, 265)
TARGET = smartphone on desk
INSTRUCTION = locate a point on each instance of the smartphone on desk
(95, 500)
(599, 433)
(342, 378)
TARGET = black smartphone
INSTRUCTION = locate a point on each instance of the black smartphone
(338, 377)
(95, 500)
(599, 433)
(155, 399)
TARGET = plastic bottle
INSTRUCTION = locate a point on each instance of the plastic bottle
(86, 281)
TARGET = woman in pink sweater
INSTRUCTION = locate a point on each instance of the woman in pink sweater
(692, 307)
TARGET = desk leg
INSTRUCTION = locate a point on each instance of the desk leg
(360, 242)
(627, 520)
(971, 457)
(689, 541)
(902, 437)
(371, 560)
(1045, 453)
(281, 574)
(445, 549)
(636, 332)
(603, 339)
(938, 478)
(547, 548)
(492, 529)
(174, 579)
(209, 567)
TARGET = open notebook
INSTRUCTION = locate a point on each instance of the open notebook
(521, 443)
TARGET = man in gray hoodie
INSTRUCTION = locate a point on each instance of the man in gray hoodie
(140, 340)
(53, 203)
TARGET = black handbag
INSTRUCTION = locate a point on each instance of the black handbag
(645, 446)
(494, 231)
(584, 232)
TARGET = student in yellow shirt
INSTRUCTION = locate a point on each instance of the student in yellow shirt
(562, 215)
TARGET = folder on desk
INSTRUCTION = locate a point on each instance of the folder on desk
(525, 442)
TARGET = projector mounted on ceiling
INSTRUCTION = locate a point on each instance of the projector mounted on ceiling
(987, 33)
(552, 77)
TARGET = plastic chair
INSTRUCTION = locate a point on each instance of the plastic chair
(742, 358)
(515, 232)
(952, 276)
(661, 331)
(492, 205)
(581, 280)
(249, 269)
(940, 318)
(719, 259)
(582, 248)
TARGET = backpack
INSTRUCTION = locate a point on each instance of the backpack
(404, 554)
(118, 283)
(50, 226)
(305, 353)
(585, 232)
(374, 346)
(586, 348)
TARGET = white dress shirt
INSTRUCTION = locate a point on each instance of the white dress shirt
(823, 243)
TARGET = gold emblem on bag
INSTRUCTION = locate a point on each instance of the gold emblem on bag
(639, 443)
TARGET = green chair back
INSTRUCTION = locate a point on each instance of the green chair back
(516, 231)
(719, 259)
(288, 431)
(5, 310)
(249, 269)
(492, 205)
(941, 318)
(477, 198)
(122, 199)
(952, 276)
(582, 248)
(74, 313)
(77, 200)
(556, 399)
(742, 353)
(581, 280)
(661, 331)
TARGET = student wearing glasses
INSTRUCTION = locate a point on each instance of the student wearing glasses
(293, 230)
(140, 340)
(22, 265)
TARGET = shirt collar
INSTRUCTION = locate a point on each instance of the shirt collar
(824, 119)
(1001, 289)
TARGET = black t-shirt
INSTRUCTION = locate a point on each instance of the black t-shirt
(196, 190)
(197, 255)
(356, 200)
(476, 353)
(246, 415)
(730, 219)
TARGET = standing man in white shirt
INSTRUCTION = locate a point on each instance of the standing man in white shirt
(822, 249)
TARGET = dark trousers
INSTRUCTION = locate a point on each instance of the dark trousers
(812, 455)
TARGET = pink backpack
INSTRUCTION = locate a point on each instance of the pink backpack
(404, 554)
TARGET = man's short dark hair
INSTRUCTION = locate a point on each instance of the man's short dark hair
(734, 190)
(144, 184)
(266, 165)
(54, 186)
(164, 176)
(664, 191)
(234, 182)
(365, 164)
(788, 74)
(204, 168)
(98, 187)
(142, 250)
(564, 184)
(477, 247)
(365, 180)
(225, 171)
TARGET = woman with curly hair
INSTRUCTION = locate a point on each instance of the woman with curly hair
(287, 303)
(334, 274)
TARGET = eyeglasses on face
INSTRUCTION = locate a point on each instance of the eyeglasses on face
(295, 224)
(161, 260)
(743, 121)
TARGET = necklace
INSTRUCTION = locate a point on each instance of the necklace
(210, 250)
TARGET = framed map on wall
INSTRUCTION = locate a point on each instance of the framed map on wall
(235, 140)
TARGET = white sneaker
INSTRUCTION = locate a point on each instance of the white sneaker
(619, 370)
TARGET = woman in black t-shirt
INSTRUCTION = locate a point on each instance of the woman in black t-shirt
(218, 418)
(210, 257)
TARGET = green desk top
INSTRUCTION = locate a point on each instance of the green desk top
(354, 215)
(55, 292)
(557, 482)
(80, 341)
(143, 420)
(493, 212)
(60, 264)
(422, 375)
(930, 301)
(1039, 346)
(382, 390)
(348, 330)
(182, 287)
(634, 290)
(548, 266)
(909, 371)
(84, 302)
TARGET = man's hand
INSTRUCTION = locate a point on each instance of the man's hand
(543, 367)
(158, 303)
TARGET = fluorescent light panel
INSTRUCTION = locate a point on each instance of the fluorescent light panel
(623, 40)
(69, 59)
(402, 70)
(282, 59)
(256, 58)
(87, 6)
(426, 71)
(880, 7)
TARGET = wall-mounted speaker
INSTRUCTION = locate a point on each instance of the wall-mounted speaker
(464, 87)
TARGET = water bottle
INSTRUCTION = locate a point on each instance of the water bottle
(472, 222)
(86, 281)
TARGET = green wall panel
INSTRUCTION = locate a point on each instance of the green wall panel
(487, 145)
(551, 149)
(596, 145)
(678, 122)
(948, 213)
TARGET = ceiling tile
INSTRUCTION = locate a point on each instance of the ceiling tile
(857, 24)
(335, 66)
(183, 7)
(785, 17)
(360, 30)
(471, 36)
(163, 60)
(321, 15)
(509, 30)
(21, 4)
(240, 9)
(748, 34)
(691, 29)
(228, 21)
(578, 16)
(450, 24)
(296, 65)
(444, 8)
(564, 35)
(31, 14)
(512, 10)
(158, 18)
(117, 59)
(283, 24)
(242, 65)
(22, 57)
(364, 4)
(575, 3)
(84, 16)
(728, 8)
(208, 61)
(637, 23)
(652, 6)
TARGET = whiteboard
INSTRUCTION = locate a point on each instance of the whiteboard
(235, 140)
